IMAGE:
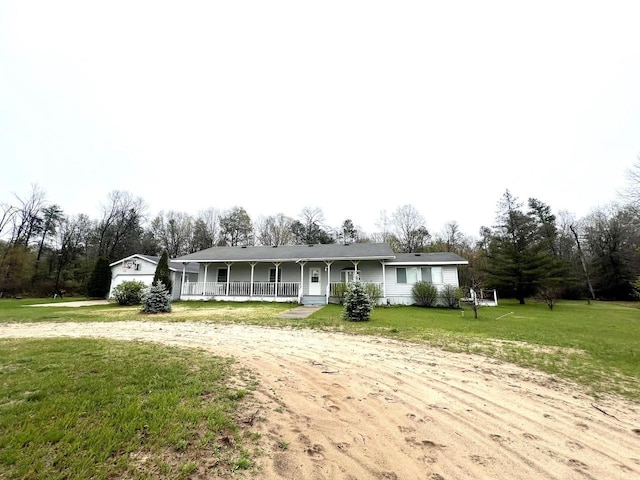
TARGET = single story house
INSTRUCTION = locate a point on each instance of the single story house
(312, 274)
(142, 268)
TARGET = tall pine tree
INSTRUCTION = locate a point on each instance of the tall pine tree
(100, 279)
(518, 258)
(163, 274)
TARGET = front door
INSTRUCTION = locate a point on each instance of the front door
(315, 287)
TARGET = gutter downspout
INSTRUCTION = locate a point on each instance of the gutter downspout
(184, 273)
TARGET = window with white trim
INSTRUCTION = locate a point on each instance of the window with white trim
(222, 275)
(349, 275)
(406, 275)
(272, 275)
(431, 274)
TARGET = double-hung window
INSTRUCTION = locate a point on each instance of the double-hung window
(406, 275)
(431, 274)
(222, 275)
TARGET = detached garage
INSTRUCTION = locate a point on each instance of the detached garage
(142, 268)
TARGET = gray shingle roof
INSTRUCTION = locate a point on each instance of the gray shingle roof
(175, 266)
(334, 251)
(318, 252)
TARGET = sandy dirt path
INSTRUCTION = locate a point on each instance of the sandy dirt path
(351, 407)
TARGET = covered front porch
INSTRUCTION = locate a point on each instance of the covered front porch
(304, 282)
(264, 291)
(238, 290)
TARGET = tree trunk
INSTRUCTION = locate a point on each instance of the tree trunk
(584, 264)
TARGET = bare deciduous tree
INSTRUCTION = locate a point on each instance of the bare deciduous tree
(121, 217)
(409, 230)
(632, 192)
(6, 215)
(174, 232)
(27, 220)
(274, 230)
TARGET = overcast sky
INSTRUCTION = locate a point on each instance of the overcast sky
(352, 107)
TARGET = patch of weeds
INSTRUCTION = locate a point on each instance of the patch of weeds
(238, 394)
(282, 445)
(187, 469)
(244, 462)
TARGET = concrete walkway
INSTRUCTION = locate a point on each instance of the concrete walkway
(78, 303)
(302, 311)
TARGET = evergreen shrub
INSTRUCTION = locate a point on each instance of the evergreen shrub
(162, 273)
(100, 279)
(357, 304)
(156, 299)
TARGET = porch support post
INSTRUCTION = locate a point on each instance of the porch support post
(253, 266)
(356, 277)
(384, 281)
(228, 275)
(184, 274)
(328, 290)
(204, 284)
(277, 264)
(301, 288)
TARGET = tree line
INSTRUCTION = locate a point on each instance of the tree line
(529, 251)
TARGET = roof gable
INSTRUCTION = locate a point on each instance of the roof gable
(173, 265)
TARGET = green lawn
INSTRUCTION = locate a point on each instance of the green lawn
(596, 345)
(87, 408)
(103, 409)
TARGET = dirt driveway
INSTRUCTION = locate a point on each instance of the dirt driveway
(352, 407)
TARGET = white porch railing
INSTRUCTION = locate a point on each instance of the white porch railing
(241, 289)
(481, 297)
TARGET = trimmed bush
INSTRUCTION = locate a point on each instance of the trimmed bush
(425, 294)
(357, 304)
(156, 299)
(451, 296)
(340, 292)
(128, 293)
(374, 292)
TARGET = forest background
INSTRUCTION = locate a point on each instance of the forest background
(529, 250)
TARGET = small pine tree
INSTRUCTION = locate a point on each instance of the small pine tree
(100, 279)
(357, 304)
(156, 299)
(163, 274)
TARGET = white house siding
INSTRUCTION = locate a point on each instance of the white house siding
(370, 271)
(241, 272)
(144, 273)
(400, 293)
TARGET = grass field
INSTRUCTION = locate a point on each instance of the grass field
(102, 409)
(594, 344)
(105, 409)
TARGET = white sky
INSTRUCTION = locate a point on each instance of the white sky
(353, 107)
